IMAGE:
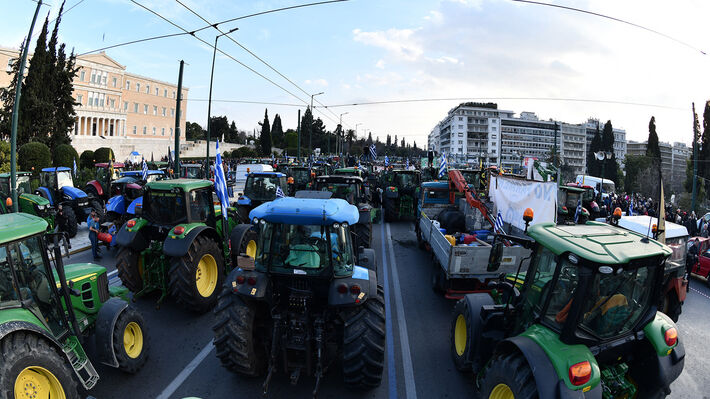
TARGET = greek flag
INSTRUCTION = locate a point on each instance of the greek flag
(220, 183)
(144, 170)
(387, 161)
(578, 212)
(358, 164)
(407, 163)
(499, 223)
(373, 151)
(631, 204)
(442, 166)
(74, 167)
(279, 192)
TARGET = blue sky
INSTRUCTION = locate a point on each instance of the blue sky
(369, 50)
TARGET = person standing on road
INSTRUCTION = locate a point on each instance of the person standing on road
(93, 222)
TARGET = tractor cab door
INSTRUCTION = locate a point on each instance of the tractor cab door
(49, 180)
(202, 207)
(35, 286)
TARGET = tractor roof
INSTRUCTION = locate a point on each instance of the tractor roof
(134, 173)
(444, 184)
(57, 169)
(596, 242)
(14, 226)
(185, 184)
(340, 178)
(105, 165)
(408, 171)
(6, 175)
(268, 174)
(306, 211)
(571, 189)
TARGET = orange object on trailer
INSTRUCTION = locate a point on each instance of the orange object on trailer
(456, 180)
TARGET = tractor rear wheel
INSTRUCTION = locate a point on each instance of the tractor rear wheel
(196, 277)
(363, 234)
(390, 210)
(242, 240)
(364, 343)
(96, 206)
(129, 264)
(672, 307)
(31, 368)
(130, 341)
(508, 376)
(67, 221)
(239, 345)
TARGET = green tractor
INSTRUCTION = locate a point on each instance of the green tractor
(352, 189)
(299, 178)
(49, 312)
(307, 300)
(400, 191)
(28, 202)
(176, 245)
(581, 322)
(568, 200)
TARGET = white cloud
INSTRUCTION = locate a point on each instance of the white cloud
(316, 82)
(398, 42)
(434, 16)
(380, 64)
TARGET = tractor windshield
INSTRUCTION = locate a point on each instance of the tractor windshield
(348, 191)
(261, 188)
(300, 175)
(406, 180)
(304, 249)
(192, 173)
(64, 179)
(616, 301)
(23, 185)
(154, 177)
(165, 207)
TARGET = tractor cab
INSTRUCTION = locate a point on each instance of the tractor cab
(192, 171)
(349, 188)
(400, 189)
(260, 187)
(106, 172)
(28, 201)
(588, 199)
(57, 186)
(152, 175)
(167, 203)
(299, 178)
(354, 171)
(569, 199)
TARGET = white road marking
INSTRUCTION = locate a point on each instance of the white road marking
(410, 387)
(699, 292)
(185, 373)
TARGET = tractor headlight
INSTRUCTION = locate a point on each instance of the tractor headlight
(255, 220)
(336, 226)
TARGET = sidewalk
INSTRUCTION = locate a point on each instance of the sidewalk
(81, 241)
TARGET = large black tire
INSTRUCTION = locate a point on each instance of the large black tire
(20, 351)
(363, 235)
(461, 336)
(509, 371)
(364, 343)
(239, 238)
(184, 277)
(96, 205)
(127, 264)
(130, 341)
(238, 342)
(672, 307)
(390, 210)
(67, 221)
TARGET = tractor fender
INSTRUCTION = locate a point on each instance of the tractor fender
(73, 192)
(177, 247)
(19, 325)
(365, 216)
(116, 204)
(133, 239)
(97, 186)
(44, 192)
(656, 373)
(235, 241)
(549, 384)
(367, 259)
(364, 278)
(105, 323)
(138, 202)
(256, 291)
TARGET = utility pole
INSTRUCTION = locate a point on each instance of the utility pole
(176, 167)
(695, 157)
(310, 131)
(16, 110)
(554, 148)
(342, 135)
(298, 132)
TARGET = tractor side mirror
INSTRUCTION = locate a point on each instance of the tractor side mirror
(496, 255)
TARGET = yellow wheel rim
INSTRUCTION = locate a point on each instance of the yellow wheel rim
(501, 391)
(133, 340)
(460, 335)
(206, 275)
(251, 249)
(38, 383)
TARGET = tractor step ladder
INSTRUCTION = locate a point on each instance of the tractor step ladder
(81, 364)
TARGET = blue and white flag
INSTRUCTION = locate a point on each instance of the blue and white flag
(631, 206)
(220, 183)
(387, 161)
(373, 151)
(407, 163)
(279, 192)
(578, 212)
(74, 167)
(144, 170)
(499, 223)
(442, 166)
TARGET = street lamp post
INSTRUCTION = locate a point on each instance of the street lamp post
(310, 131)
(209, 101)
(341, 132)
(602, 156)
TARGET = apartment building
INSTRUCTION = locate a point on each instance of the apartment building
(674, 158)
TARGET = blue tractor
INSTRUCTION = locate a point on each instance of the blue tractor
(304, 299)
(72, 204)
(260, 187)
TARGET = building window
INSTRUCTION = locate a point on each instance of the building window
(135, 107)
(138, 86)
(155, 110)
(164, 111)
(172, 112)
(171, 132)
(144, 130)
(115, 82)
(113, 103)
(128, 85)
(134, 130)
(165, 93)
(91, 99)
(93, 76)
(125, 106)
(147, 89)
(145, 109)
(101, 100)
(79, 98)
(157, 91)
(173, 93)
(81, 74)
(153, 131)
(103, 78)
(163, 132)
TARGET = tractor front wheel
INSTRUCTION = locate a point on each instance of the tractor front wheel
(31, 368)
(508, 376)
(239, 346)
(364, 343)
(67, 221)
(195, 278)
(130, 342)
(363, 234)
(129, 265)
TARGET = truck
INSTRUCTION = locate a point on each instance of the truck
(596, 182)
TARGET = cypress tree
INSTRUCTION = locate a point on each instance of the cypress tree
(704, 149)
(594, 167)
(7, 98)
(35, 118)
(265, 137)
(277, 133)
(652, 148)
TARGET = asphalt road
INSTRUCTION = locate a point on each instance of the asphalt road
(183, 364)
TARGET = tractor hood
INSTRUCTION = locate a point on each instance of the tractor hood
(73, 192)
(306, 211)
(116, 204)
(138, 202)
(81, 271)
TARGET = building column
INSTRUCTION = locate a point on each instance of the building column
(94, 120)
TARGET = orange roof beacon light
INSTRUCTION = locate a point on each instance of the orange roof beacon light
(248, 170)
(290, 180)
(527, 217)
(615, 216)
(654, 228)
(8, 202)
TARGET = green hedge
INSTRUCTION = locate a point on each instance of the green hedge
(103, 154)
(65, 155)
(33, 157)
(87, 159)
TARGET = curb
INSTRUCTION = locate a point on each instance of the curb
(76, 251)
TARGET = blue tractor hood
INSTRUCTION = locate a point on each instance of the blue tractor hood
(138, 202)
(116, 204)
(306, 211)
(73, 192)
